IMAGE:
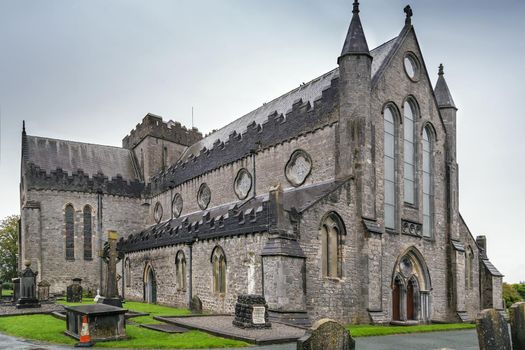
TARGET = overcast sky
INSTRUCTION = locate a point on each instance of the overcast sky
(90, 70)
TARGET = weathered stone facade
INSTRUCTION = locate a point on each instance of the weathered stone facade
(306, 223)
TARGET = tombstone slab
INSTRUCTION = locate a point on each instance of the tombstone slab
(517, 325)
(27, 291)
(105, 322)
(74, 291)
(196, 305)
(493, 331)
(326, 334)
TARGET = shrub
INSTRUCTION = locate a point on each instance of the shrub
(7, 285)
(510, 295)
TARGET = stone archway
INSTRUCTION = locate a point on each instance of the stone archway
(150, 285)
(411, 287)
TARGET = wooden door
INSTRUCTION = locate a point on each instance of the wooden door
(395, 302)
(410, 301)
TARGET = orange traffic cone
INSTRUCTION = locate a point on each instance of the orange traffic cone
(85, 338)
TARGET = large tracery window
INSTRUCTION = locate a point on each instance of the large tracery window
(427, 184)
(409, 153)
(218, 260)
(70, 231)
(390, 169)
(180, 269)
(332, 231)
(88, 233)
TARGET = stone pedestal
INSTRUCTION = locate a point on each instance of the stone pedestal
(43, 290)
(105, 322)
(251, 311)
(16, 288)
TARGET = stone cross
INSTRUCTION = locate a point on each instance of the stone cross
(493, 332)
(111, 285)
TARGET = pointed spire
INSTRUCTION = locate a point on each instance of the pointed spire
(355, 42)
(23, 127)
(443, 95)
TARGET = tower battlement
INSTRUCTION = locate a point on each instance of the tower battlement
(153, 125)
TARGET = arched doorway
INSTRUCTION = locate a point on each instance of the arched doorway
(150, 285)
(411, 288)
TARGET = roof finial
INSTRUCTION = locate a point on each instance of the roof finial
(409, 13)
(440, 71)
(23, 126)
(355, 11)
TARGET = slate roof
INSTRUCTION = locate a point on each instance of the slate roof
(49, 154)
(241, 217)
(308, 92)
(492, 269)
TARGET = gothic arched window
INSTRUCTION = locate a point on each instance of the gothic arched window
(180, 270)
(332, 231)
(127, 272)
(218, 260)
(70, 231)
(409, 122)
(88, 233)
(428, 192)
(469, 262)
(390, 155)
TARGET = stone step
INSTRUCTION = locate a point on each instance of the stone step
(464, 317)
(379, 317)
(165, 328)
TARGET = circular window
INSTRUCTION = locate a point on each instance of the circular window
(157, 212)
(203, 196)
(411, 66)
(176, 205)
(298, 167)
(243, 183)
(406, 266)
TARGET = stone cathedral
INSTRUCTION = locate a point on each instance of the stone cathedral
(337, 199)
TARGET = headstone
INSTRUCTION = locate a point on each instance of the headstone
(251, 311)
(43, 290)
(493, 331)
(517, 325)
(74, 291)
(326, 334)
(196, 305)
(111, 296)
(27, 294)
(16, 288)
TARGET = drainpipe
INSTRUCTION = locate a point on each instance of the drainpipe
(253, 153)
(190, 285)
(99, 233)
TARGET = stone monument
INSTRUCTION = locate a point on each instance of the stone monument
(74, 291)
(111, 296)
(517, 325)
(493, 331)
(27, 291)
(43, 290)
(326, 334)
(16, 288)
(251, 311)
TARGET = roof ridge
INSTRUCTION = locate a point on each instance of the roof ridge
(76, 142)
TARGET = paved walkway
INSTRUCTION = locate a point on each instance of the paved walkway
(453, 340)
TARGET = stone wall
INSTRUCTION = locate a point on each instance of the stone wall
(269, 171)
(43, 233)
(243, 272)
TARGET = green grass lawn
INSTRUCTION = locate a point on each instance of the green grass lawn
(7, 292)
(364, 330)
(49, 329)
(152, 309)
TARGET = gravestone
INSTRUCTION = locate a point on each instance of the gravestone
(517, 325)
(16, 288)
(74, 291)
(251, 311)
(326, 334)
(196, 305)
(27, 294)
(105, 322)
(43, 290)
(493, 331)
